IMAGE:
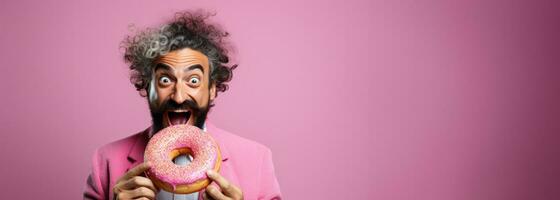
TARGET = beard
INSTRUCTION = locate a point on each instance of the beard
(158, 111)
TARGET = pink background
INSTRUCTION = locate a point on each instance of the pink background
(356, 99)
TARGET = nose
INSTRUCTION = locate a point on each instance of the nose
(179, 95)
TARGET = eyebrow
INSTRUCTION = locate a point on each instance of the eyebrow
(197, 66)
(163, 67)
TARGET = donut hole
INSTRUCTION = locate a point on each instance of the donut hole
(181, 156)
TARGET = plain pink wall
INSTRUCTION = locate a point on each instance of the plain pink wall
(356, 99)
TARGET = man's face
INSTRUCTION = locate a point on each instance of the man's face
(180, 92)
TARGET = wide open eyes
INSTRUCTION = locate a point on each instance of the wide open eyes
(194, 81)
(164, 80)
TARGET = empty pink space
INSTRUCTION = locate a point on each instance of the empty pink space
(356, 99)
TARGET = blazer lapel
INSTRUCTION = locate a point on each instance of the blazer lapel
(136, 153)
(217, 135)
(227, 169)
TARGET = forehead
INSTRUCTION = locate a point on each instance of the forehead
(184, 58)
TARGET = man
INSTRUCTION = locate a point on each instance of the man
(180, 67)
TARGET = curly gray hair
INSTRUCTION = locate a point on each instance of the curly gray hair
(186, 30)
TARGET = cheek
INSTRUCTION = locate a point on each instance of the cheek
(162, 94)
(202, 96)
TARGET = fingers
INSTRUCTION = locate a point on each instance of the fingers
(230, 190)
(222, 182)
(133, 186)
(133, 183)
(139, 181)
(206, 196)
(138, 170)
(143, 192)
(138, 193)
(214, 193)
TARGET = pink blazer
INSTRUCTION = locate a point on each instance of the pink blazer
(245, 163)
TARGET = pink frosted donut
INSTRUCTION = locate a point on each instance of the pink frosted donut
(173, 141)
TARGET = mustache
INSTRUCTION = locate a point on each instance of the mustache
(157, 112)
(186, 105)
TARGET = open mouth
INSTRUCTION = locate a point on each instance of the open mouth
(178, 117)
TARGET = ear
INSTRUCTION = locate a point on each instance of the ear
(213, 92)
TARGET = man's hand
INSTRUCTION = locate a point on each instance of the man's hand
(133, 186)
(227, 190)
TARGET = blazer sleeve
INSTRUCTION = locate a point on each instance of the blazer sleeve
(94, 185)
(269, 188)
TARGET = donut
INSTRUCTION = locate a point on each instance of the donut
(176, 140)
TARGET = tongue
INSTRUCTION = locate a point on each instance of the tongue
(177, 118)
